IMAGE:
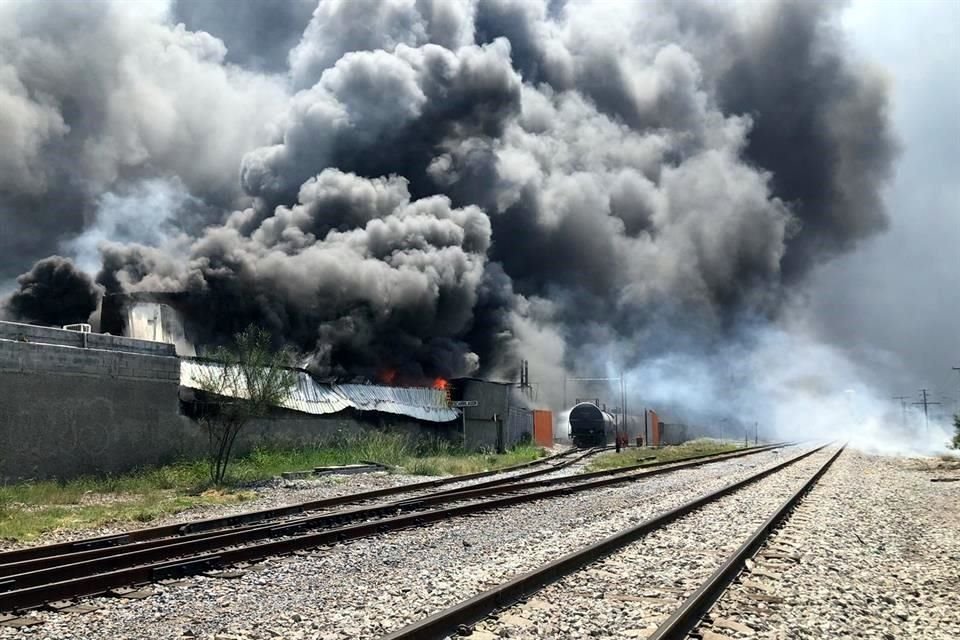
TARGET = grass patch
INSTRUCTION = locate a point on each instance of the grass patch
(629, 457)
(25, 522)
(29, 509)
(458, 462)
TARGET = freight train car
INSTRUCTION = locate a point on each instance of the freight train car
(591, 427)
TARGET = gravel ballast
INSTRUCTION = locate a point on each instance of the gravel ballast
(872, 552)
(365, 588)
(628, 593)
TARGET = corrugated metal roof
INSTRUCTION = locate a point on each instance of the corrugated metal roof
(310, 396)
(425, 404)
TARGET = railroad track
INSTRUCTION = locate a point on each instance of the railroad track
(689, 614)
(553, 463)
(668, 606)
(75, 570)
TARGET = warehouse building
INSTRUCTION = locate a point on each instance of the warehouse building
(77, 402)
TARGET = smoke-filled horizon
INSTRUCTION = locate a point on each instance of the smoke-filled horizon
(440, 187)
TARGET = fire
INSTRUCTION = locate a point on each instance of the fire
(392, 378)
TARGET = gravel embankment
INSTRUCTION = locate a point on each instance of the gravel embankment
(365, 588)
(874, 553)
(628, 593)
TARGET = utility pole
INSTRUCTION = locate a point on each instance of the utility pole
(903, 407)
(925, 402)
(957, 369)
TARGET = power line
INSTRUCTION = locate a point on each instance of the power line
(925, 402)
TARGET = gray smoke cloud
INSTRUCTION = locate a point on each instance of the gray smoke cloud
(355, 271)
(258, 35)
(342, 27)
(96, 97)
(443, 187)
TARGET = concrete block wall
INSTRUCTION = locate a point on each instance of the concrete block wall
(67, 410)
(29, 333)
(112, 406)
(36, 358)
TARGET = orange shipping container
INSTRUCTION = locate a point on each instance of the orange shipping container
(543, 428)
(654, 429)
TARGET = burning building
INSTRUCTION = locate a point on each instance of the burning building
(392, 398)
(156, 317)
(537, 185)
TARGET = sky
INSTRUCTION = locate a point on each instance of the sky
(895, 302)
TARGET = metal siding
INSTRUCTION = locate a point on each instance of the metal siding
(492, 398)
(309, 396)
(416, 402)
(519, 426)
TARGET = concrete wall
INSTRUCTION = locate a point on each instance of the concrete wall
(47, 335)
(67, 410)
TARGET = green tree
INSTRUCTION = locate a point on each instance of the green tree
(956, 431)
(242, 382)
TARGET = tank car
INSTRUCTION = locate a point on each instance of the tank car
(591, 427)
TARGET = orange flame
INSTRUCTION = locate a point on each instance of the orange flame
(440, 383)
(388, 376)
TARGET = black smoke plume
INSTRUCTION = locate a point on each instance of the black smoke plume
(441, 187)
(53, 292)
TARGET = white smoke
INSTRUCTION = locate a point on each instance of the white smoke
(792, 387)
(144, 214)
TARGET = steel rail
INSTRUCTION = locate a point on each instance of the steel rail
(478, 607)
(475, 488)
(688, 615)
(92, 577)
(65, 563)
(35, 571)
(13, 562)
(645, 469)
(207, 524)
